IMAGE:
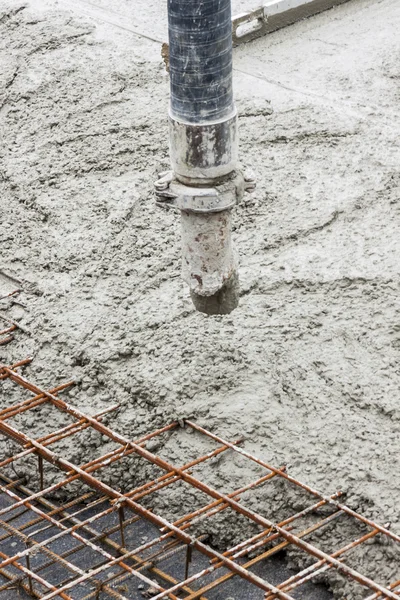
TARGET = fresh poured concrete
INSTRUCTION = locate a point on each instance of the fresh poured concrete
(308, 366)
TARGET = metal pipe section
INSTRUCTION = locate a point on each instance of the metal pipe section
(203, 123)
(200, 55)
(205, 183)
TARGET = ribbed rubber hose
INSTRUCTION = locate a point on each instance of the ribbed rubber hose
(200, 49)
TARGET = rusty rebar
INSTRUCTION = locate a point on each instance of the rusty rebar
(33, 546)
(72, 531)
(177, 530)
(392, 586)
(304, 486)
(140, 564)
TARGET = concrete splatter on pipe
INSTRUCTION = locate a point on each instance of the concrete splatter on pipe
(209, 262)
(205, 183)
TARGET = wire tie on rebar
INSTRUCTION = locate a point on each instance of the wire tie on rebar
(126, 449)
(34, 551)
(118, 502)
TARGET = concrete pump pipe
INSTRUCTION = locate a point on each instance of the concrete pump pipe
(205, 183)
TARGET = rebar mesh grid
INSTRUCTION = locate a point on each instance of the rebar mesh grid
(98, 561)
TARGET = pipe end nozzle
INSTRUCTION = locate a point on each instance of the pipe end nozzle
(223, 302)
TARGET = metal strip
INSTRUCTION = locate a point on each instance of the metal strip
(276, 15)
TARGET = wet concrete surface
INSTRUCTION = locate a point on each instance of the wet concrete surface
(307, 366)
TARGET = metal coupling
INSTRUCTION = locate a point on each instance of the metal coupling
(223, 196)
(209, 261)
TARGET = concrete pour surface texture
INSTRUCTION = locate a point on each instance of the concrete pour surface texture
(308, 366)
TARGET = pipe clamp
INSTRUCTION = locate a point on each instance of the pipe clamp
(224, 196)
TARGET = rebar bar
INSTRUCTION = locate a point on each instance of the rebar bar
(174, 538)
